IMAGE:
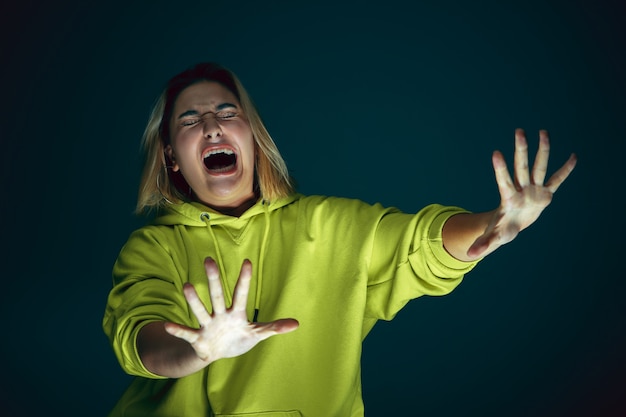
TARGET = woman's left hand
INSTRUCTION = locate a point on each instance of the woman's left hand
(523, 198)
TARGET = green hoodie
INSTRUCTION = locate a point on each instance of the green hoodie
(336, 265)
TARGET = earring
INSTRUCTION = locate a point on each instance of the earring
(159, 186)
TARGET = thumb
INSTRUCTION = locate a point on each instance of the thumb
(273, 328)
(479, 247)
(285, 325)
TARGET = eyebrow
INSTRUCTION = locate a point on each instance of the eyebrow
(220, 107)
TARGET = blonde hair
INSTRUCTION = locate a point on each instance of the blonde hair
(161, 186)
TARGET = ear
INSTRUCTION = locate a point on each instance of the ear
(170, 160)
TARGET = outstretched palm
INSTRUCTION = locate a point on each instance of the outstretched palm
(226, 332)
(523, 198)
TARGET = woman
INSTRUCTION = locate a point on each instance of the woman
(234, 256)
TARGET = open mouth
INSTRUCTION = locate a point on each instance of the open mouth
(220, 160)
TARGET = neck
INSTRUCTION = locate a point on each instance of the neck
(236, 211)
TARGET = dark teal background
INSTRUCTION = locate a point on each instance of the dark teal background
(400, 103)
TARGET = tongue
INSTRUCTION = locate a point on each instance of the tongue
(220, 162)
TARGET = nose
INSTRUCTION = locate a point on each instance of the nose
(212, 128)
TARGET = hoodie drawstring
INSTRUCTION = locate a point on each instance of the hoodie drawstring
(259, 284)
(228, 295)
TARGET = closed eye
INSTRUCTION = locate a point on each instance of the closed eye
(226, 114)
(189, 122)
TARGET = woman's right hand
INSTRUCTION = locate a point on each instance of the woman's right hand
(226, 332)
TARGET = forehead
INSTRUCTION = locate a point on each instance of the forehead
(205, 94)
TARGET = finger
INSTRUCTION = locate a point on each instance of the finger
(240, 299)
(520, 161)
(503, 178)
(215, 286)
(196, 305)
(561, 175)
(541, 160)
(182, 332)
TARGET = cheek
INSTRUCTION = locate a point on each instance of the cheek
(252, 151)
(248, 144)
(183, 143)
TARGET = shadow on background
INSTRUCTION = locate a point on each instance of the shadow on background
(400, 104)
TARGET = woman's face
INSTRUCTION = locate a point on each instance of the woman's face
(212, 145)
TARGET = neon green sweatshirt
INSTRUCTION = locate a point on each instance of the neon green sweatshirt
(336, 265)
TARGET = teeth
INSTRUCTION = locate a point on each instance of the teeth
(216, 151)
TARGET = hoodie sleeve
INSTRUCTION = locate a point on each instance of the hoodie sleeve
(408, 260)
(147, 287)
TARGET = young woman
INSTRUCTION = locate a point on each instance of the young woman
(235, 256)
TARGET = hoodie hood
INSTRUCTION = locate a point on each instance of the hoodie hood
(194, 213)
